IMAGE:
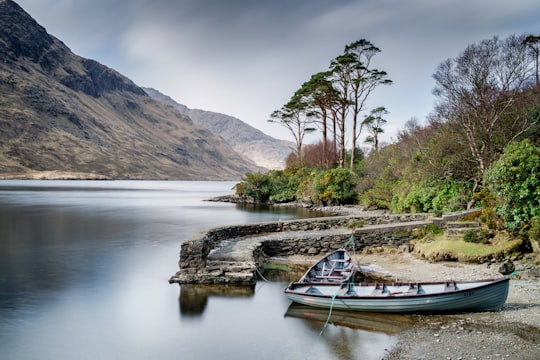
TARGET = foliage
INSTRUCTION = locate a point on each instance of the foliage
(327, 187)
(432, 196)
(256, 186)
(514, 180)
(437, 167)
(334, 187)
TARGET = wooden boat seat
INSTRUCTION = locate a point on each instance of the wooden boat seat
(329, 277)
(450, 286)
(414, 289)
(380, 290)
(346, 291)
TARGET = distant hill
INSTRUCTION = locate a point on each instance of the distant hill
(64, 114)
(262, 149)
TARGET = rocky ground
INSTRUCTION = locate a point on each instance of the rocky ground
(513, 333)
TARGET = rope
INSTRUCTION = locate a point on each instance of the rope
(329, 314)
(261, 275)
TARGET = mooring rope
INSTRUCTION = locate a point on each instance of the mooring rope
(261, 275)
(329, 313)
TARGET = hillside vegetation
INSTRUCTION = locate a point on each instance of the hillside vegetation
(478, 148)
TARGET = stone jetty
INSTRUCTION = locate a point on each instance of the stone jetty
(233, 254)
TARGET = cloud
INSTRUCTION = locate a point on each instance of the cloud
(246, 58)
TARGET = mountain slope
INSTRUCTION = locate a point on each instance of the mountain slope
(59, 111)
(262, 149)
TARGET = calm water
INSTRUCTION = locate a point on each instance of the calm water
(84, 269)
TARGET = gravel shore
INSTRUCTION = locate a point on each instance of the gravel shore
(512, 333)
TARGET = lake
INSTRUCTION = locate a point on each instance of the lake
(84, 269)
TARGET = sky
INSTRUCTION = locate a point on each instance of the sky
(246, 58)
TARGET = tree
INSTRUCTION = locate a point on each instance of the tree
(515, 180)
(533, 42)
(341, 68)
(374, 123)
(355, 81)
(478, 92)
(293, 117)
(320, 96)
(318, 155)
(363, 81)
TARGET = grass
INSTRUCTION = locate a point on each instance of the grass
(441, 248)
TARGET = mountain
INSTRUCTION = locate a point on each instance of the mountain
(63, 113)
(263, 150)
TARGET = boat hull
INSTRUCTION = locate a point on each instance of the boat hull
(482, 295)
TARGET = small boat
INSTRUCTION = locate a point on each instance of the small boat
(422, 297)
(336, 267)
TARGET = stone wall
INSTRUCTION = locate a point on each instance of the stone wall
(284, 238)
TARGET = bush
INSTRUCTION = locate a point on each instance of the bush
(334, 187)
(256, 186)
(514, 180)
(431, 196)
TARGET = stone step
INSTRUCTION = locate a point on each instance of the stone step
(459, 231)
(462, 224)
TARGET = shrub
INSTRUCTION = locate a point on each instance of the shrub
(256, 186)
(431, 196)
(514, 179)
(334, 187)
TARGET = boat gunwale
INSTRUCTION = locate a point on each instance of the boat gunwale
(404, 295)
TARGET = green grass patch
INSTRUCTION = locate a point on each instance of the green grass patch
(442, 248)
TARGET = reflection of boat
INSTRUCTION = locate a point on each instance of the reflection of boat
(449, 296)
(385, 323)
(335, 267)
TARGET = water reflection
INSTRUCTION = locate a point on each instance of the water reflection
(193, 298)
(385, 323)
(285, 210)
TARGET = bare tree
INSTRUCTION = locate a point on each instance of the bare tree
(533, 42)
(478, 92)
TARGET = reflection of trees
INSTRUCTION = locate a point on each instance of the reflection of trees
(193, 298)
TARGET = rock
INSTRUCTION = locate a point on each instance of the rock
(507, 267)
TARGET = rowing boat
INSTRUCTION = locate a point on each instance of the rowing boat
(421, 297)
(329, 283)
(336, 267)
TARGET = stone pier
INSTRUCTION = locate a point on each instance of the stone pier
(233, 254)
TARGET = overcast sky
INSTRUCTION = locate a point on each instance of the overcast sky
(245, 58)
